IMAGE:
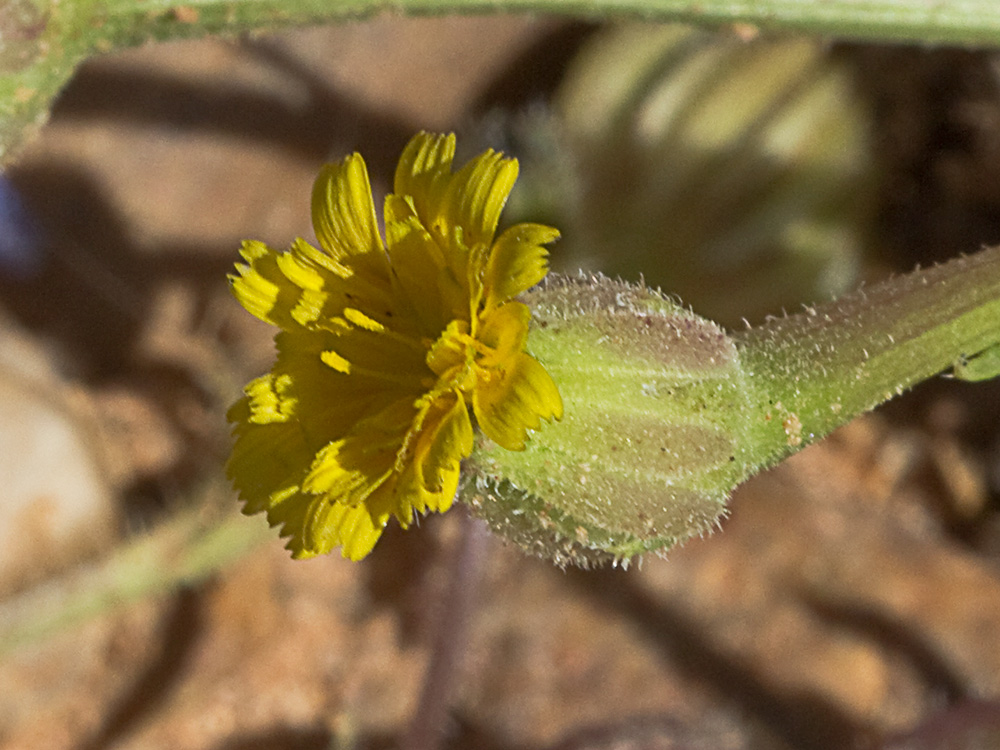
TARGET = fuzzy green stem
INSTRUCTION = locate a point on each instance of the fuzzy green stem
(182, 552)
(665, 413)
(817, 370)
(968, 22)
(42, 41)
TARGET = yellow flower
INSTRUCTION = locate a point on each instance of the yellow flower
(384, 349)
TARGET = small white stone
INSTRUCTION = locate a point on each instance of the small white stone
(55, 505)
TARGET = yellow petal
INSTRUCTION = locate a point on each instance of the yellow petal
(309, 309)
(513, 400)
(517, 262)
(504, 330)
(343, 212)
(303, 275)
(476, 195)
(330, 524)
(423, 173)
(450, 350)
(266, 467)
(422, 276)
(357, 318)
(332, 403)
(287, 289)
(336, 362)
(349, 487)
(375, 360)
(307, 255)
(446, 438)
(290, 512)
(449, 445)
(350, 469)
(262, 288)
(440, 455)
(270, 398)
(267, 460)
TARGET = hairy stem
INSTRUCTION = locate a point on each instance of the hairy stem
(184, 551)
(42, 41)
(816, 370)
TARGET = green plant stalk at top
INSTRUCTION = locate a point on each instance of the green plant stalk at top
(42, 41)
(666, 413)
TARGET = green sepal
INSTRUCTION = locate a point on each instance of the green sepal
(651, 442)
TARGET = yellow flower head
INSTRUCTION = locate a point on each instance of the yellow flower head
(384, 348)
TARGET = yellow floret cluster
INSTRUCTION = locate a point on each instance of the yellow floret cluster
(386, 347)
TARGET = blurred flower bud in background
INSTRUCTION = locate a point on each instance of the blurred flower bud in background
(733, 173)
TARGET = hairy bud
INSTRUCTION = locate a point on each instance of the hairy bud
(665, 413)
(651, 443)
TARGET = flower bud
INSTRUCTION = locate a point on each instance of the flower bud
(665, 413)
(734, 173)
(651, 442)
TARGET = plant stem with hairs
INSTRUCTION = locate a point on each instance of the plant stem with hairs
(666, 413)
(43, 41)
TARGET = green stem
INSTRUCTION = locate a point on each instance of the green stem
(42, 41)
(969, 22)
(184, 551)
(816, 370)
(665, 414)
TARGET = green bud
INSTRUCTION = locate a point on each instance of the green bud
(652, 440)
(665, 413)
(736, 174)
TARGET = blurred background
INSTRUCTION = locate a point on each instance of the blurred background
(852, 599)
